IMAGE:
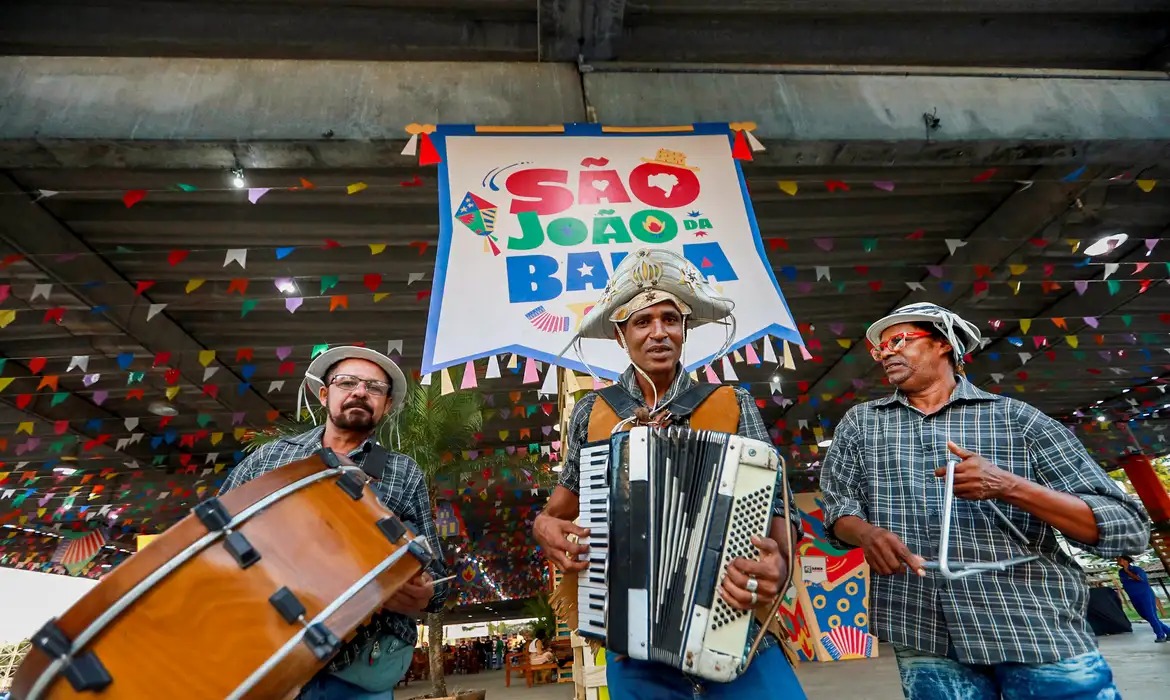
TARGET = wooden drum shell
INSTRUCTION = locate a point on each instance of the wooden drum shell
(208, 625)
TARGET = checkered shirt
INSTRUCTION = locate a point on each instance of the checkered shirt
(880, 468)
(750, 426)
(401, 489)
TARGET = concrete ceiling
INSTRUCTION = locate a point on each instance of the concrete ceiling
(1084, 34)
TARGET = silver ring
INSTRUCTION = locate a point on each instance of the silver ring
(753, 585)
(755, 599)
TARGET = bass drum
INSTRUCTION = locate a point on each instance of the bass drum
(249, 596)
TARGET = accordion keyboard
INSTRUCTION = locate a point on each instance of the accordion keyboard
(593, 515)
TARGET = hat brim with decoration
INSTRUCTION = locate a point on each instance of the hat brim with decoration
(640, 278)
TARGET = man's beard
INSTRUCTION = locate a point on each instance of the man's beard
(357, 421)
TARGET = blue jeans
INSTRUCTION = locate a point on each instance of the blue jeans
(929, 677)
(768, 676)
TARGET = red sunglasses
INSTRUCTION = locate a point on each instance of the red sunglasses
(895, 343)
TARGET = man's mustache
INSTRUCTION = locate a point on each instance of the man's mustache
(357, 404)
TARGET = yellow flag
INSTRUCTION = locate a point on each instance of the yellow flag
(1146, 185)
(571, 385)
(239, 433)
(1018, 269)
(7, 316)
(25, 427)
(788, 363)
(192, 285)
(206, 356)
(379, 296)
(377, 248)
(172, 392)
(1072, 341)
(1015, 287)
(356, 187)
(845, 343)
(1025, 324)
(215, 438)
(4, 382)
(788, 187)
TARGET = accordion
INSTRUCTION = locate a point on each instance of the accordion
(667, 510)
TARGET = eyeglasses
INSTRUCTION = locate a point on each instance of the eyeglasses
(896, 343)
(348, 383)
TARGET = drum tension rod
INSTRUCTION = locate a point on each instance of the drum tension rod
(215, 518)
(319, 638)
(84, 672)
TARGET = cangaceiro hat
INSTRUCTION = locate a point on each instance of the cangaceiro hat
(658, 269)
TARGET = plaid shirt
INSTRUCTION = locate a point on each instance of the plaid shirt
(401, 489)
(750, 426)
(880, 468)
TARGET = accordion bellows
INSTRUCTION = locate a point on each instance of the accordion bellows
(668, 509)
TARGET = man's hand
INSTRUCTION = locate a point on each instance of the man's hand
(976, 478)
(888, 555)
(552, 535)
(413, 597)
(767, 573)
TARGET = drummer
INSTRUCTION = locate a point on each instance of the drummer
(358, 388)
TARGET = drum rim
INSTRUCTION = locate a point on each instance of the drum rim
(97, 625)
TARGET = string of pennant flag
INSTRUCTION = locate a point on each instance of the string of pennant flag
(239, 256)
(340, 302)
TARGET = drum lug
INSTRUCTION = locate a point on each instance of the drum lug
(212, 514)
(287, 604)
(352, 484)
(241, 549)
(321, 641)
(420, 552)
(84, 672)
(392, 528)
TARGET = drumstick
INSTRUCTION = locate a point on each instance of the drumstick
(445, 578)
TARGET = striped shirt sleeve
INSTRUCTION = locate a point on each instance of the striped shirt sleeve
(842, 478)
(1061, 463)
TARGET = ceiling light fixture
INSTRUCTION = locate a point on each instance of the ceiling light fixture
(159, 408)
(1107, 244)
(238, 180)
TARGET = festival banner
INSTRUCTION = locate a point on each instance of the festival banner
(533, 224)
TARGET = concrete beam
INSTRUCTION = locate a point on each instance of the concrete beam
(846, 108)
(448, 30)
(170, 113)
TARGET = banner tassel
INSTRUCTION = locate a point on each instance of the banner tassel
(427, 154)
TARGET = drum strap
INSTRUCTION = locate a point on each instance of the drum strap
(374, 465)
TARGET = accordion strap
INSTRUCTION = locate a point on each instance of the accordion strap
(774, 608)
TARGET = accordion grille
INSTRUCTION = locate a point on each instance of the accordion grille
(750, 514)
